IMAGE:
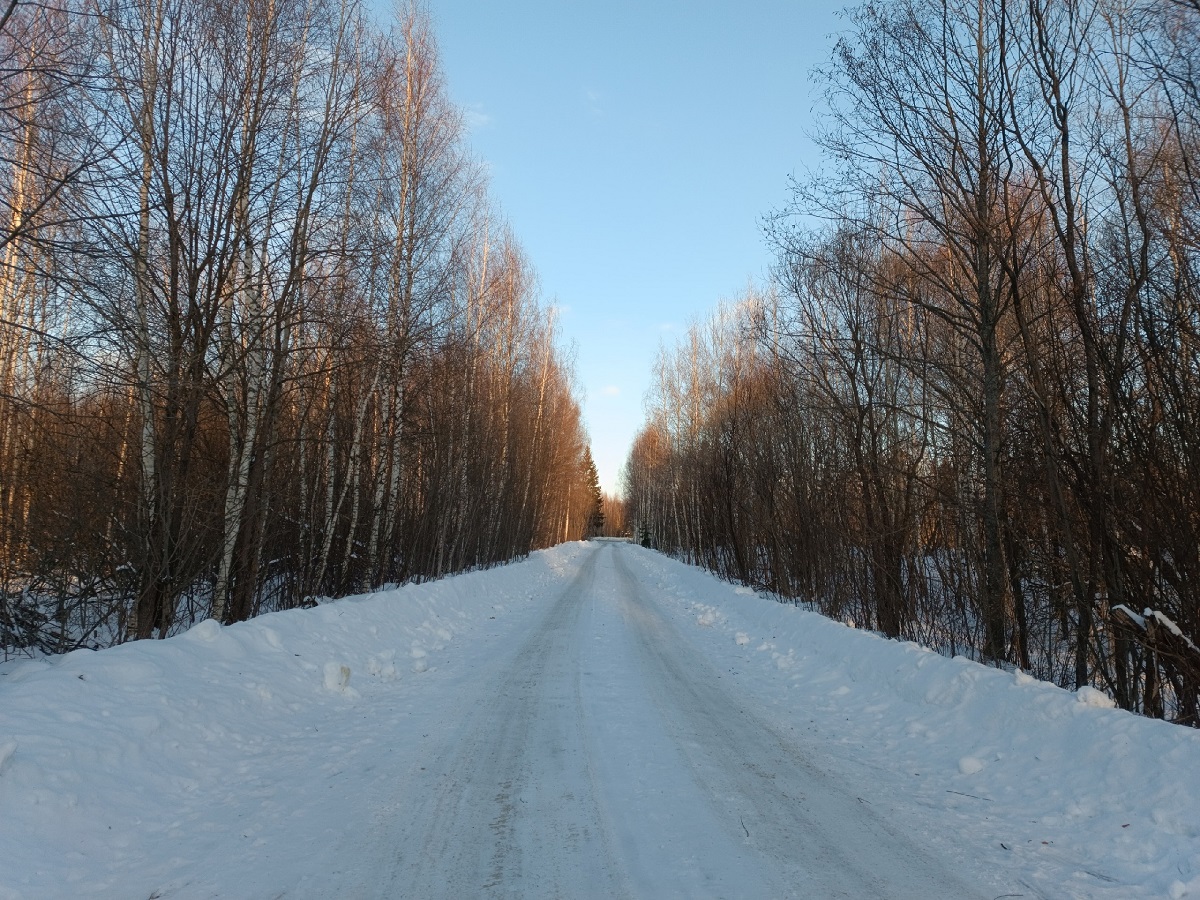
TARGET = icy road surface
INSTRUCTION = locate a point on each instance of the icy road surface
(595, 721)
(606, 758)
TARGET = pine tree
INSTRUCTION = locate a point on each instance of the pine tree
(595, 524)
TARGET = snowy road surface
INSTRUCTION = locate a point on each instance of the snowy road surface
(595, 721)
(606, 759)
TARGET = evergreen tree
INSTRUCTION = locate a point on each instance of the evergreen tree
(595, 522)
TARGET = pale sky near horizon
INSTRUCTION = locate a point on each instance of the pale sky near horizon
(635, 148)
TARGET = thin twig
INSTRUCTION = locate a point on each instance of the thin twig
(973, 797)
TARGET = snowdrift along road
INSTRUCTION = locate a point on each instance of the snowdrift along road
(595, 721)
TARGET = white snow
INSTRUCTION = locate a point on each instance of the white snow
(337, 677)
(241, 762)
(1140, 621)
(969, 765)
(1166, 622)
(1089, 696)
(1079, 799)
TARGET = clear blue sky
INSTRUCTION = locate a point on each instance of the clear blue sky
(635, 148)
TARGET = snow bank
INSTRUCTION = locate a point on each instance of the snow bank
(158, 768)
(1088, 800)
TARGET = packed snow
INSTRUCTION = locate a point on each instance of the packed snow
(596, 720)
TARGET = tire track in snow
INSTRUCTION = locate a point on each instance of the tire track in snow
(606, 758)
(814, 833)
(514, 813)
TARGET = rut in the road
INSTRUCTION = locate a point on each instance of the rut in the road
(606, 758)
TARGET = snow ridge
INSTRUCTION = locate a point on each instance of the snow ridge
(1084, 799)
(221, 762)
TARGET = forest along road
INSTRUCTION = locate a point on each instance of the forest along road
(606, 758)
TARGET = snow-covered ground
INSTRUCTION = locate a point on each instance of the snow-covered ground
(597, 720)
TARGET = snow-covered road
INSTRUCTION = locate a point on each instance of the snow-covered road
(595, 721)
(607, 759)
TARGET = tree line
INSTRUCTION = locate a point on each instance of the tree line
(965, 411)
(263, 338)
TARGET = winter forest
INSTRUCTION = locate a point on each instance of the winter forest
(966, 412)
(263, 337)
